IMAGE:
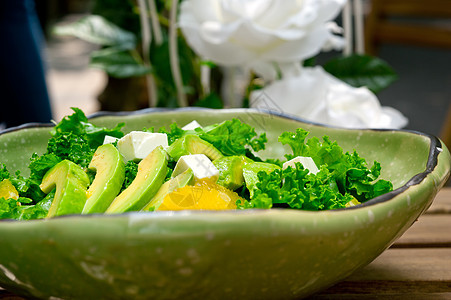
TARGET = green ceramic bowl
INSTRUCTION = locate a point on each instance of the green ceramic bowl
(254, 254)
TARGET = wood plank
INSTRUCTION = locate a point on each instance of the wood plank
(401, 33)
(425, 273)
(425, 264)
(441, 203)
(416, 8)
(445, 131)
(378, 296)
(380, 287)
(429, 231)
(433, 228)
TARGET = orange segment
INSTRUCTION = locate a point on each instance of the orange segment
(7, 190)
(203, 195)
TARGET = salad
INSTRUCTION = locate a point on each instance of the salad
(90, 169)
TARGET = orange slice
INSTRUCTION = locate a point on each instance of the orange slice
(204, 195)
(7, 190)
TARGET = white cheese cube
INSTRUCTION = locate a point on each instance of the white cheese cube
(307, 162)
(137, 145)
(200, 164)
(109, 139)
(191, 126)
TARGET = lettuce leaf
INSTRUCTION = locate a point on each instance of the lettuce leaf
(131, 169)
(75, 139)
(26, 187)
(349, 170)
(232, 137)
(4, 173)
(174, 132)
(296, 188)
(22, 209)
(78, 125)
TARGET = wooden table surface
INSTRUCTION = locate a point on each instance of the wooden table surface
(417, 266)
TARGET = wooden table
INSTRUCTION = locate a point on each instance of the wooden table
(417, 266)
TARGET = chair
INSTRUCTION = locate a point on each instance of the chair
(411, 22)
(445, 134)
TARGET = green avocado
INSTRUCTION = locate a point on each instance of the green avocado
(250, 173)
(151, 173)
(192, 144)
(110, 174)
(169, 186)
(71, 183)
(231, 171)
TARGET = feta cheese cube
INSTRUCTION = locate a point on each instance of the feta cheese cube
(200, 164)
(191, 126)
(307, 162)
(137, 145)
(109, 139)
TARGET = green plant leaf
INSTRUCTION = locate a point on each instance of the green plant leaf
(118, 63)
(212, 100)
(362, 70)
(310, 62)
(97, 30)
(159, 57)
(122, 13)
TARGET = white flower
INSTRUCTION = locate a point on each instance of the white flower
(317, 96)
(251, 32)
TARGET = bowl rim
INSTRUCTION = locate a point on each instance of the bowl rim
(435, 149)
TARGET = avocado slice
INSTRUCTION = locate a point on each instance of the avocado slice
(185, 178)
(7, 190)
(110, 174)
(250, 173)
(71, 183)
(151, 173)
(192, 144)
(231, 171)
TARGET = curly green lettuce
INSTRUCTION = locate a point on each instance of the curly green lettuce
(296, 188)
(350, 171)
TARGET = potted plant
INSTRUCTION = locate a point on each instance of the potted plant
(234, 54)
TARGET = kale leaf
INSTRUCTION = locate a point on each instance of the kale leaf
(131, 169)
(349, 170)
(174, 133)
(296, 188)
(78, 125)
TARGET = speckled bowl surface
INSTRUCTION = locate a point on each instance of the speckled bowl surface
(251, 254)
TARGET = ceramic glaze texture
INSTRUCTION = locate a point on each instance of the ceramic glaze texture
(251, 254)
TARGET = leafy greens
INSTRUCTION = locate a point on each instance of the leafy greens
(232, 137)
(74, 138)
(349, 170)
(344, 179)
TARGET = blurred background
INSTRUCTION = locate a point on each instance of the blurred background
(411, 36)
